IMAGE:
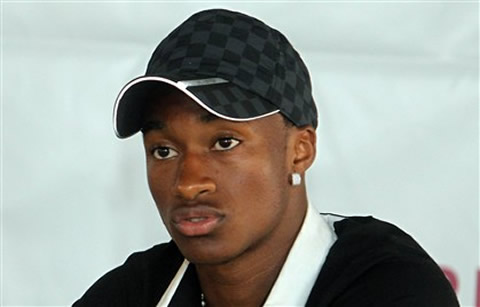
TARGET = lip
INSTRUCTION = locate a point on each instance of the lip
(196, 221)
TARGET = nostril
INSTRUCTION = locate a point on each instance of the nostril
(192, 191)
(204, 192)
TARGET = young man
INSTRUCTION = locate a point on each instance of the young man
(228, 123)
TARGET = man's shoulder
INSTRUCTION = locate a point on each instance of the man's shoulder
(361, 235)
(373, 262)
(139, 280)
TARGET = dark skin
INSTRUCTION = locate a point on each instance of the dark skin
(222, 190)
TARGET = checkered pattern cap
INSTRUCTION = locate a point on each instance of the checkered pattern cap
(231, 64)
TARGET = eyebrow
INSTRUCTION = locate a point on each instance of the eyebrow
(152, 125)
(208, 117)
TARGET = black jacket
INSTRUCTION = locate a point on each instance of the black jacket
(372, 263)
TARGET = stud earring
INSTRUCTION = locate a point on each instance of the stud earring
(295, 179)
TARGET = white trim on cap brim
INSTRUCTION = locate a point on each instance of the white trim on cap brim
(182, 86)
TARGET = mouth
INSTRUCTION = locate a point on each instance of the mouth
(196, 221)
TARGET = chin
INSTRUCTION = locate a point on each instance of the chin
(203, 251)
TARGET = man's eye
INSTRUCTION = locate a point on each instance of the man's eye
(226, 143)
(162, 153)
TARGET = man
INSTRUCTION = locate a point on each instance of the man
(228, 123)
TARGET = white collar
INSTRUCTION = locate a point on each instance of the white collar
(300, 270)
(304, 262)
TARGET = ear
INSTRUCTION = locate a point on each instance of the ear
(304, 144)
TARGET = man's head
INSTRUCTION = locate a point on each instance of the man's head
(222, 187)
(227, 115)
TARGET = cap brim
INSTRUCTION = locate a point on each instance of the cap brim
(222, 99)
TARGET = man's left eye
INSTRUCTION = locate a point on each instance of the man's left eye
(225, 143)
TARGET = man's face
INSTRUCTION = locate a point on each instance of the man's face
(221, 187)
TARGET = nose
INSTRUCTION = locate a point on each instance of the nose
(193, 178)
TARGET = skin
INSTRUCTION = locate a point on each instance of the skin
(238, 173)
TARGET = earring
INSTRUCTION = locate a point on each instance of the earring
(295, 179)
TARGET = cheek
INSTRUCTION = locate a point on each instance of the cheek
(259, 185)
(158, 182)
(257, 200)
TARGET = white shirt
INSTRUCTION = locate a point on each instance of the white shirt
(304, 262)
(300, 270)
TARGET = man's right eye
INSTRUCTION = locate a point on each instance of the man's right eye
(162, 153)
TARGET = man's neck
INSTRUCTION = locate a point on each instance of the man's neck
(237, 285)
(248, 279)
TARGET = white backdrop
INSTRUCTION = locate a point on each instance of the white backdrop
(396, 84)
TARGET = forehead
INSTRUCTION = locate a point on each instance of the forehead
(160, 106)
(162, 109)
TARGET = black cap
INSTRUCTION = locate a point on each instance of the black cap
(233, 65)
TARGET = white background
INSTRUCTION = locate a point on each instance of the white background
(396, 84)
